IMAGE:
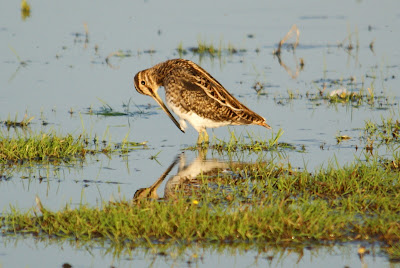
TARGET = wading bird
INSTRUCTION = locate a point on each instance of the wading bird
(195, 96)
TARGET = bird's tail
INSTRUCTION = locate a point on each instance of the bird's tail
(264, 124)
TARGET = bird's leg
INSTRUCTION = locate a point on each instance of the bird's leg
(203, 137)
(200, 138)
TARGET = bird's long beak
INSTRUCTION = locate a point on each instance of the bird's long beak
(161, 103)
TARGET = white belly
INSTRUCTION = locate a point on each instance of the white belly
(199, 123)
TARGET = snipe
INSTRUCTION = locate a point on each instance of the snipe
(195, 96)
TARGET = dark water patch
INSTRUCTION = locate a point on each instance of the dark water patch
(304, 46)
(331, 82)
(395, 66)
(87, 182)
(149, 51)
(106, 110)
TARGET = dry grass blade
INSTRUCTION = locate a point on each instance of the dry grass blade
(292, 30)
(299, 67)
(115, 53)
(39, 204)
(85, 26)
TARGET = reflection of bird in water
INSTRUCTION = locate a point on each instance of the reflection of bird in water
(194, 95)
(151, 192)
(186, 174)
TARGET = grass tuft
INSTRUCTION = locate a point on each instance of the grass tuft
(251, 143)
(51, 146)
(15, 123)
(255, 203)
(204, 48)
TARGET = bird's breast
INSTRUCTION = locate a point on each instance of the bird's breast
(197, 121)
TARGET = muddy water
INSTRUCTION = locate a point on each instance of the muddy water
(55, 69)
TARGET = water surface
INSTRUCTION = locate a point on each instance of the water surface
(50, 68)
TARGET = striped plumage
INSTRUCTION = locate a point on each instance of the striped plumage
(195, 96)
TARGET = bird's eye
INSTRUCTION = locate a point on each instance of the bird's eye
(143, 83)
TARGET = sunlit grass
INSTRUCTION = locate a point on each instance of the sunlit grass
(17, 123)
(40, 147)
(345, 91)
(385, 132)
(259, 202)
(205, 48)
(249, 143)
(50, 146)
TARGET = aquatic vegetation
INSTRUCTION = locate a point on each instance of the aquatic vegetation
(205, 49)
(51, 146)
(107, 110)
(340, 138)
(249, 143)
(386, 132)
(181, 51)
(356, 97)
(289, 34)
(16, 123)
(259, 87)
(25, 10)
(255, 203)
(209, 49)
(40, 147)
(347, 43)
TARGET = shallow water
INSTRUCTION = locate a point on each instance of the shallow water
(62, 71)
(54, 254)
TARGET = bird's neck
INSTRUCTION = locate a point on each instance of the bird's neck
(159, 72)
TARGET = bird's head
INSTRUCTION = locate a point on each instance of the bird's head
(146, 84)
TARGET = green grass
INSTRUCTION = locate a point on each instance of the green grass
(16, 123)
(348, 91)
(355, 98)
(387, 132)
(204, 48)
(249, 143)
(40, 147)
(259, 202)
(50, 146)
(107, 110)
